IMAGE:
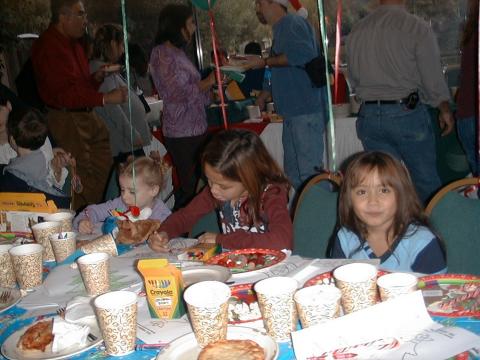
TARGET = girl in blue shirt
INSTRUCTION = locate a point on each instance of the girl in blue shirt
(380, 216)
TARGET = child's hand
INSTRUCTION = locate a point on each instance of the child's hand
(85, 226)
(208, 238)
(158, 241)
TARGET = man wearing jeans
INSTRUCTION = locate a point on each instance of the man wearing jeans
(394, 68)
(300, 103)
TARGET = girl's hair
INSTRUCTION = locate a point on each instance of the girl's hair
(150, 170)
(103, 38)
(171, 20)
(391, 173)
(240, 155)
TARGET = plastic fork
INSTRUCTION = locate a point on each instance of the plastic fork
(5, 295)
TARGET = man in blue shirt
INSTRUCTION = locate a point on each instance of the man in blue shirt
(297, 100)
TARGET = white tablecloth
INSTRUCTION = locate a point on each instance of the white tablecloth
(346, 141)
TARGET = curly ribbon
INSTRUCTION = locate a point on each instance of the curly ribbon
(331, 124)
(127, 70)
(218, 75)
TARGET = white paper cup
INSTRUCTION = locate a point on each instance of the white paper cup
(275, 299)
(270, 108)
(94, 270)
(7, 274)
(358, 284)
(117, 317)
(207, 303)
(42, 232)
(396, 284)
(254, 112)
(63, 244)
(27, 264)
(317, 303)
(63, 217)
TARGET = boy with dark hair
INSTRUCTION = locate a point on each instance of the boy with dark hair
(27, 131)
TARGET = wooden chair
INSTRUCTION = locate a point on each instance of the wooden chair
(456, 219)
(315, 216)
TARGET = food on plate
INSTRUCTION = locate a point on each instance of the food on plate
(247, 262)
(232, 349)
(38, 337)
(242, 311)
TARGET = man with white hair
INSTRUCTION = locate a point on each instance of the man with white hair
(301, 104)
(394, 68)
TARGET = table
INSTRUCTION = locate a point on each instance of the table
(346, 140)
(57, 290)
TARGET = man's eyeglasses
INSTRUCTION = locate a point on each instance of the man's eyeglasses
(80, 15)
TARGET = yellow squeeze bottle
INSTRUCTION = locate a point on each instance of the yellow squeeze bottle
(164, 288)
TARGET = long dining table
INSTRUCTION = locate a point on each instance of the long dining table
(63, 283)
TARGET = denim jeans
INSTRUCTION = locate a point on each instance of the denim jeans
(467, 135)
(303, 146)
(406, 134)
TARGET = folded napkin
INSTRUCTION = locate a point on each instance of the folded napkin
(67, 334)
(79, 310)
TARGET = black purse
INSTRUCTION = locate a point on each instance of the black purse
(315, 69)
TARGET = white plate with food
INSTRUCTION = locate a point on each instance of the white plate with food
(12, 350)
(194, 274)
(186, 347)
(9, 298)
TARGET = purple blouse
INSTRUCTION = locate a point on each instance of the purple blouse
(176, 80)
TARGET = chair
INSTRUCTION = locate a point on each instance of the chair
(315, 217)
(457, 220)
(208, 223)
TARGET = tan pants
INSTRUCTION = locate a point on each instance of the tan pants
(85, 136)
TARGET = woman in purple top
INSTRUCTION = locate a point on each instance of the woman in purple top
(184, 95)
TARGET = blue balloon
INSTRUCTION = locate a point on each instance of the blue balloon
(203, 4)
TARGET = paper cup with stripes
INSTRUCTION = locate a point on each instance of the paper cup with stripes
(27, 264)
(64, 217)
(94, 269)
(42, 232)
(7, 274)
(275, 299)
(207, 303)
(63, 245)
(358, 284)
(117, 317)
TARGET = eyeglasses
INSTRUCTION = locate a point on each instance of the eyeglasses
(82, 15)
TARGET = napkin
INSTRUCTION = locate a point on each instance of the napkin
(79, 310)
(67, 334)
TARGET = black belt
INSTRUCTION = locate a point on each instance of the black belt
(84, 109)
(384, 102)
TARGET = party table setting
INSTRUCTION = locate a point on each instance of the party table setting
(67, 295)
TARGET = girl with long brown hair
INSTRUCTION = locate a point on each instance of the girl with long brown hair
(246, 188)
(381, 217)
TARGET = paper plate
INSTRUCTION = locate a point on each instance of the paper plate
(194, 274)
(247, 260)
(10, 300)
(186, 348)
(10, 350)
(451, 295)
(243, 305)
(328, 279)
